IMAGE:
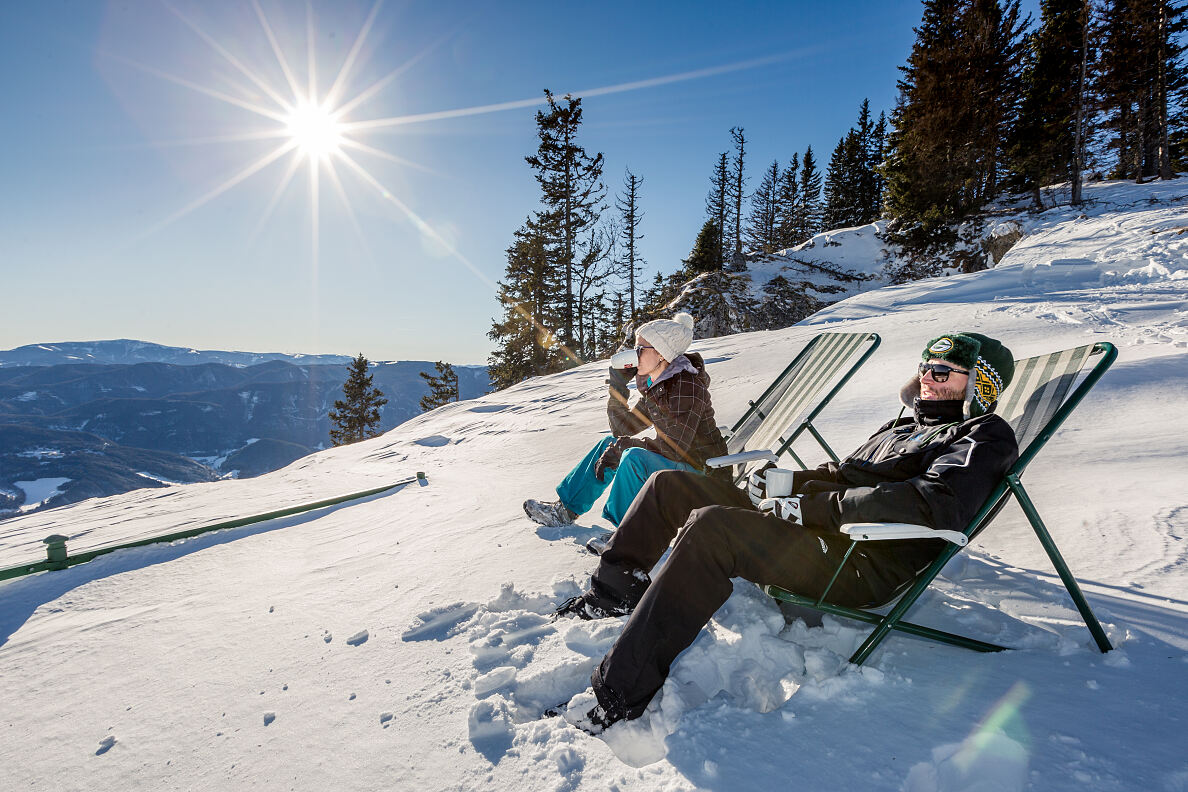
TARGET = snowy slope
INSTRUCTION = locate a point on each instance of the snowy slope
(403, 642)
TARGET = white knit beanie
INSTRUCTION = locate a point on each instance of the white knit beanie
(671, 337)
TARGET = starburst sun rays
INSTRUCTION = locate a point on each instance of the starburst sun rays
(315, 130)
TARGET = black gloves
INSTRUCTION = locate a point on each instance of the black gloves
(618, 380)
(610, 458)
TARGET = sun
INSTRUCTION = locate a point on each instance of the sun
(314, 130)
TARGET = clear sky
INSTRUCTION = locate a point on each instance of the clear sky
(123, 120)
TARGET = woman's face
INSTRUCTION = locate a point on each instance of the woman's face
(650, 362)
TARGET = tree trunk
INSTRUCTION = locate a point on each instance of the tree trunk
(1078, 136)
(1165, 171)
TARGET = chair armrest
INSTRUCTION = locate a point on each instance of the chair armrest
(738, 459)
(874, 532)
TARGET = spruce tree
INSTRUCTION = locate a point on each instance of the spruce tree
(707, 250)
(873, 148)
(717, 206)
(443, 386)
(594, 266)
(571, 190)
(1042, 144)
(356, 416)
(787, 201)
(1141, 70)
(630, 216)
(530, 296)
(808, 210)
(958, 94)
(844, 183)
(761, 224)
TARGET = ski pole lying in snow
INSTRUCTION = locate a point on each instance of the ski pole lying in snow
(57, 558)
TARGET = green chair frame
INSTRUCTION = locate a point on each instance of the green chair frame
(788, 407)
(1037, 402)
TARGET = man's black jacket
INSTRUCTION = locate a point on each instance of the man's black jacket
(933, 469)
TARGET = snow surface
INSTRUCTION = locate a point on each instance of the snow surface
(39, 491)
(404, 641)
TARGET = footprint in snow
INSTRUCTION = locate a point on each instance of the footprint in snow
(105, 745)
(439, 624)
(358, 638)
(433, 441)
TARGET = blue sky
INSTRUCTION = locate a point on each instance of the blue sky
(123, 116)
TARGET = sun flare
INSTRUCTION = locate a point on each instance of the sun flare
(314, 130)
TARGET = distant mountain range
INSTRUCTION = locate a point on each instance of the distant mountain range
(104, 428)
(125, 351)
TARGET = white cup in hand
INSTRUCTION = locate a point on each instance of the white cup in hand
(779, 482)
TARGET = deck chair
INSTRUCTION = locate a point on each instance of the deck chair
(788, 407)
(1040, 397)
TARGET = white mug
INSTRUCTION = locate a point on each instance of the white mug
(779, 482)
(625, 359)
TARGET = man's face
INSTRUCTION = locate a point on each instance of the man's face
(952, 388)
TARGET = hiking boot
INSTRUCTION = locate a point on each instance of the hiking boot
(598, 544)
(552, 515)
(590, 606)
(596, 720)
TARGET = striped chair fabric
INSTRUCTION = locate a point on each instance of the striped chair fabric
(772, 422)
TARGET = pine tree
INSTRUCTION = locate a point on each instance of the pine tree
(530, 296)
(853, 187)
(356, 416)
(737, 182)
(1141, 70)
(443, 387)
(808, 209)
(1042, 144)
(843, 183)
(571, 189)
(630, 215)
(595, 265)
(787, 201)
(717, 206)
(707, 250)
(761, 224)
(873, 147)
(958, 94)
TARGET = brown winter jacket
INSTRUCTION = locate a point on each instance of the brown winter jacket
(678, 405)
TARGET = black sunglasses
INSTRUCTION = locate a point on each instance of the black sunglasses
(639, 349)
(940, 372)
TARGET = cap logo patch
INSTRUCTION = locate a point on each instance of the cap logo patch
(941, 346)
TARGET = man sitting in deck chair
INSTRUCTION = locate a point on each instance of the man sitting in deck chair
(933, 469)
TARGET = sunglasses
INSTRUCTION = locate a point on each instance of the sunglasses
(940, 372)
(639, 349)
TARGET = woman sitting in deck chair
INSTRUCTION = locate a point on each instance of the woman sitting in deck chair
(674, 390)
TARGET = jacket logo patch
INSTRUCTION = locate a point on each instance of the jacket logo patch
(941, 346)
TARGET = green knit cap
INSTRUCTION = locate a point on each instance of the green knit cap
(992, 365)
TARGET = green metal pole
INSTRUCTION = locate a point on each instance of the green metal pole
(1070, 583)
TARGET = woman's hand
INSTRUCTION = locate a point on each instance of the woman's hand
(609, 459)
(619, 377)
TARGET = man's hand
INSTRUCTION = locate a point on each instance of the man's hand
(757, 484)
(619, 377)
(784, 508)
(609, 459)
